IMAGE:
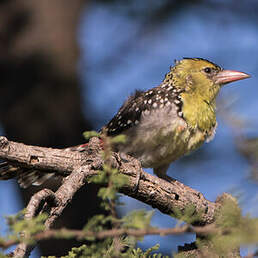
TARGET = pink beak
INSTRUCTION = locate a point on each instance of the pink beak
(226, 76)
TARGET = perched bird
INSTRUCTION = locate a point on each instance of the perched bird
(168, 121)
(175, 118)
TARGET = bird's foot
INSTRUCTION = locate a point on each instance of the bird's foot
(138, 177)
(167, 178)
(161, 173)
(123, 157)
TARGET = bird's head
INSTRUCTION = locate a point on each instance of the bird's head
(200, 81)
(201, 77)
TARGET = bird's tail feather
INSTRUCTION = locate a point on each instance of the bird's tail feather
(25, 177)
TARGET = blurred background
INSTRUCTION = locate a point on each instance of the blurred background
(67, 66)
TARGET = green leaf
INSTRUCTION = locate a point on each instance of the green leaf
(119, 180)
(119, 139)
(151, 249)
(107, 193)
(188, 215)
(17, 223)
(89, 134)
(137, 219)
(100, 178)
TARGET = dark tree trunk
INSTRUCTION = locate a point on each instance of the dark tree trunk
(40, 96)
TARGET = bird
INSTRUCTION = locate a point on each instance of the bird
(163, 123)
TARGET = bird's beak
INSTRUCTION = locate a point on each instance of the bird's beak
(226, 76)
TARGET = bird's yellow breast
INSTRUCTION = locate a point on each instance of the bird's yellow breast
(161, 138)
(198, 112)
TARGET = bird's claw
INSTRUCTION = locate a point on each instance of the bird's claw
(167, 178)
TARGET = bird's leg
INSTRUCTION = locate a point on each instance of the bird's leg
(161, 173)
(138, 176)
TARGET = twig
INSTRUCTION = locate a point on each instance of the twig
(57, 202)
(66, 192)
(36, 201)
(81, 235)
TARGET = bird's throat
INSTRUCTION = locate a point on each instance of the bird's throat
(198, 112)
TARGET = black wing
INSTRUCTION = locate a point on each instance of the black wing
(131, 112)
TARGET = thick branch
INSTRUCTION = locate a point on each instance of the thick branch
(154, 191)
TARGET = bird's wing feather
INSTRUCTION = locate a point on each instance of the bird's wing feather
(131, 111)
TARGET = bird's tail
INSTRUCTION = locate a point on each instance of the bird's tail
(27, 177)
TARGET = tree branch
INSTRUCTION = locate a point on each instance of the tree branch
(82, 235)
(160, 194)
(56, 203)
(36, 201)
(168, 197)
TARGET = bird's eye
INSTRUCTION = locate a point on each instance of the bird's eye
(207, 70)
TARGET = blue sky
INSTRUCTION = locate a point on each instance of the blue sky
(224, 37)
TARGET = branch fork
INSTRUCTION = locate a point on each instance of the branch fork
(77, 167)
